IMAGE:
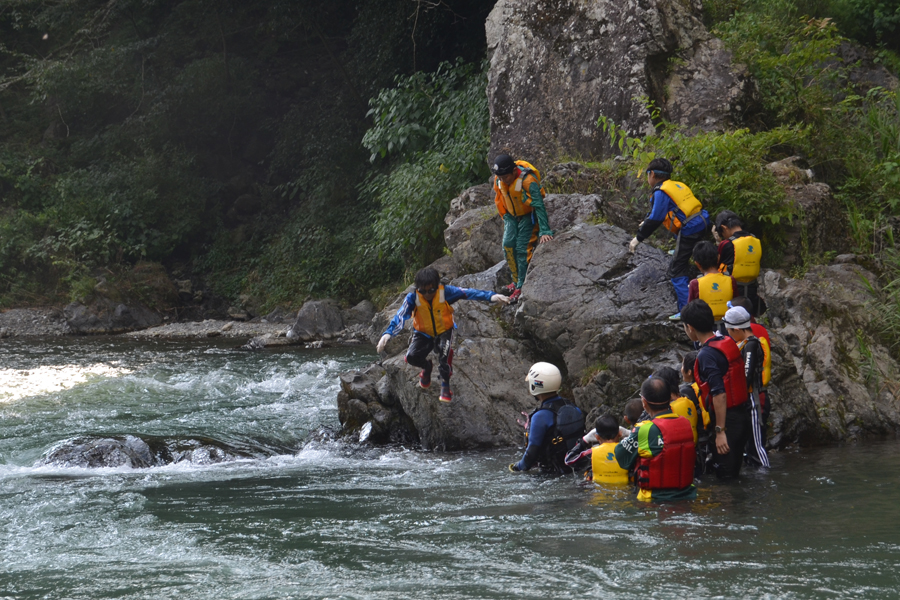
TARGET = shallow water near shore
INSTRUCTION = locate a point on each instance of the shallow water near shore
(320, 519)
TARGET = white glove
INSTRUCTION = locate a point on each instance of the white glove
(632, 246)
(382, 343)
(715, 232)
(500, 298)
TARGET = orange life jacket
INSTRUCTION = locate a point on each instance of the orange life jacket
(763, 335)
(514, 199)
(435, 318)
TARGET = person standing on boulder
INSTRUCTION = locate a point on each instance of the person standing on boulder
(719, 371)
(430, 307)
(554, 428)
(520, 202)
(675, 207)
(714, 288)
(740, 253)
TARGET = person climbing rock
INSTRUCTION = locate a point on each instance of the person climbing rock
(661, 449)
(675, 207)
(714, 288)
(554, 428)
(430, 307)
(520, 201)
(740, 253)
(737, 323)
(719, 371)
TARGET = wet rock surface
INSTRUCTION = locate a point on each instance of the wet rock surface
(144, 452)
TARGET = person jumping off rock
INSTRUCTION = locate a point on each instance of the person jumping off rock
(520, 202)
(430, 307)
(675, 208)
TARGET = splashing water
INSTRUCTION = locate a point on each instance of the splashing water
(292, 517)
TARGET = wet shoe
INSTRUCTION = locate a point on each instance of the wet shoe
(425, 379)
(510, 287)
(446, 394)
(514, 297)
(675, 317)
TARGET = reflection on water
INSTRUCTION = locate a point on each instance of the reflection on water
(318, 519)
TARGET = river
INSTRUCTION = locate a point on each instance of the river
(313, 518)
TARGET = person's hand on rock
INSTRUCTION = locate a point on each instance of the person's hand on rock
(500, 298)
(632, 246)
(382, 343)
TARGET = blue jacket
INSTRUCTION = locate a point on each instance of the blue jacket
(662, 205)
(451, 294)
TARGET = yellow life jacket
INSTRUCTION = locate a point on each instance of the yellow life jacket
(604, 465)
(684, 407)
(767, 363)
(435, 318)
(716, 290)
(684, 199)
(747, 254)
(515, 198)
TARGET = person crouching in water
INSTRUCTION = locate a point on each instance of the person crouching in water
(554, 428)
(598, 445)
(430, 307)
(662, 449)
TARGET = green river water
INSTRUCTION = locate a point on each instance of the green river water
(322, 519)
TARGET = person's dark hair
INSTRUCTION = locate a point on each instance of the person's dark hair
(427, 277)
(607, 427)
(698, 315)
(744, 303)
(633, 410)
(687, 363)
(656, 392)
(728, 219)
(660, 167)
(706, 255)
(503, 165)
(670, 376)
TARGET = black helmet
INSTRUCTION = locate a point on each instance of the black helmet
(503, 165)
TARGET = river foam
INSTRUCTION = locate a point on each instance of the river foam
(16, 384)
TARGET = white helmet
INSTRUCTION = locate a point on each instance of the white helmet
(543, 378)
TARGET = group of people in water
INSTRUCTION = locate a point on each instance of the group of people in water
(709, 415)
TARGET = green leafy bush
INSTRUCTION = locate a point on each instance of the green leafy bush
(433, 130)
(726, 170)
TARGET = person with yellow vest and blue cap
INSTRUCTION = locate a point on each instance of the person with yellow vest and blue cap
(674, 206)
(519, 198)
(430, 306)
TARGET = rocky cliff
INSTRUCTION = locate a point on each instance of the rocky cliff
(557, 65)
(599, 313)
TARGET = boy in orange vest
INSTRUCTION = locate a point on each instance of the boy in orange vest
(714, 288)
(430, 308)
(519, 199)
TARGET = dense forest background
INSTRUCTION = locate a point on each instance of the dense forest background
(286, 149)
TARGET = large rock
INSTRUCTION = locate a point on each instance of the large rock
(839, 379)
(105, 316)
(317, 320)
(820, 227)
(587, 297)
(558, 65)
